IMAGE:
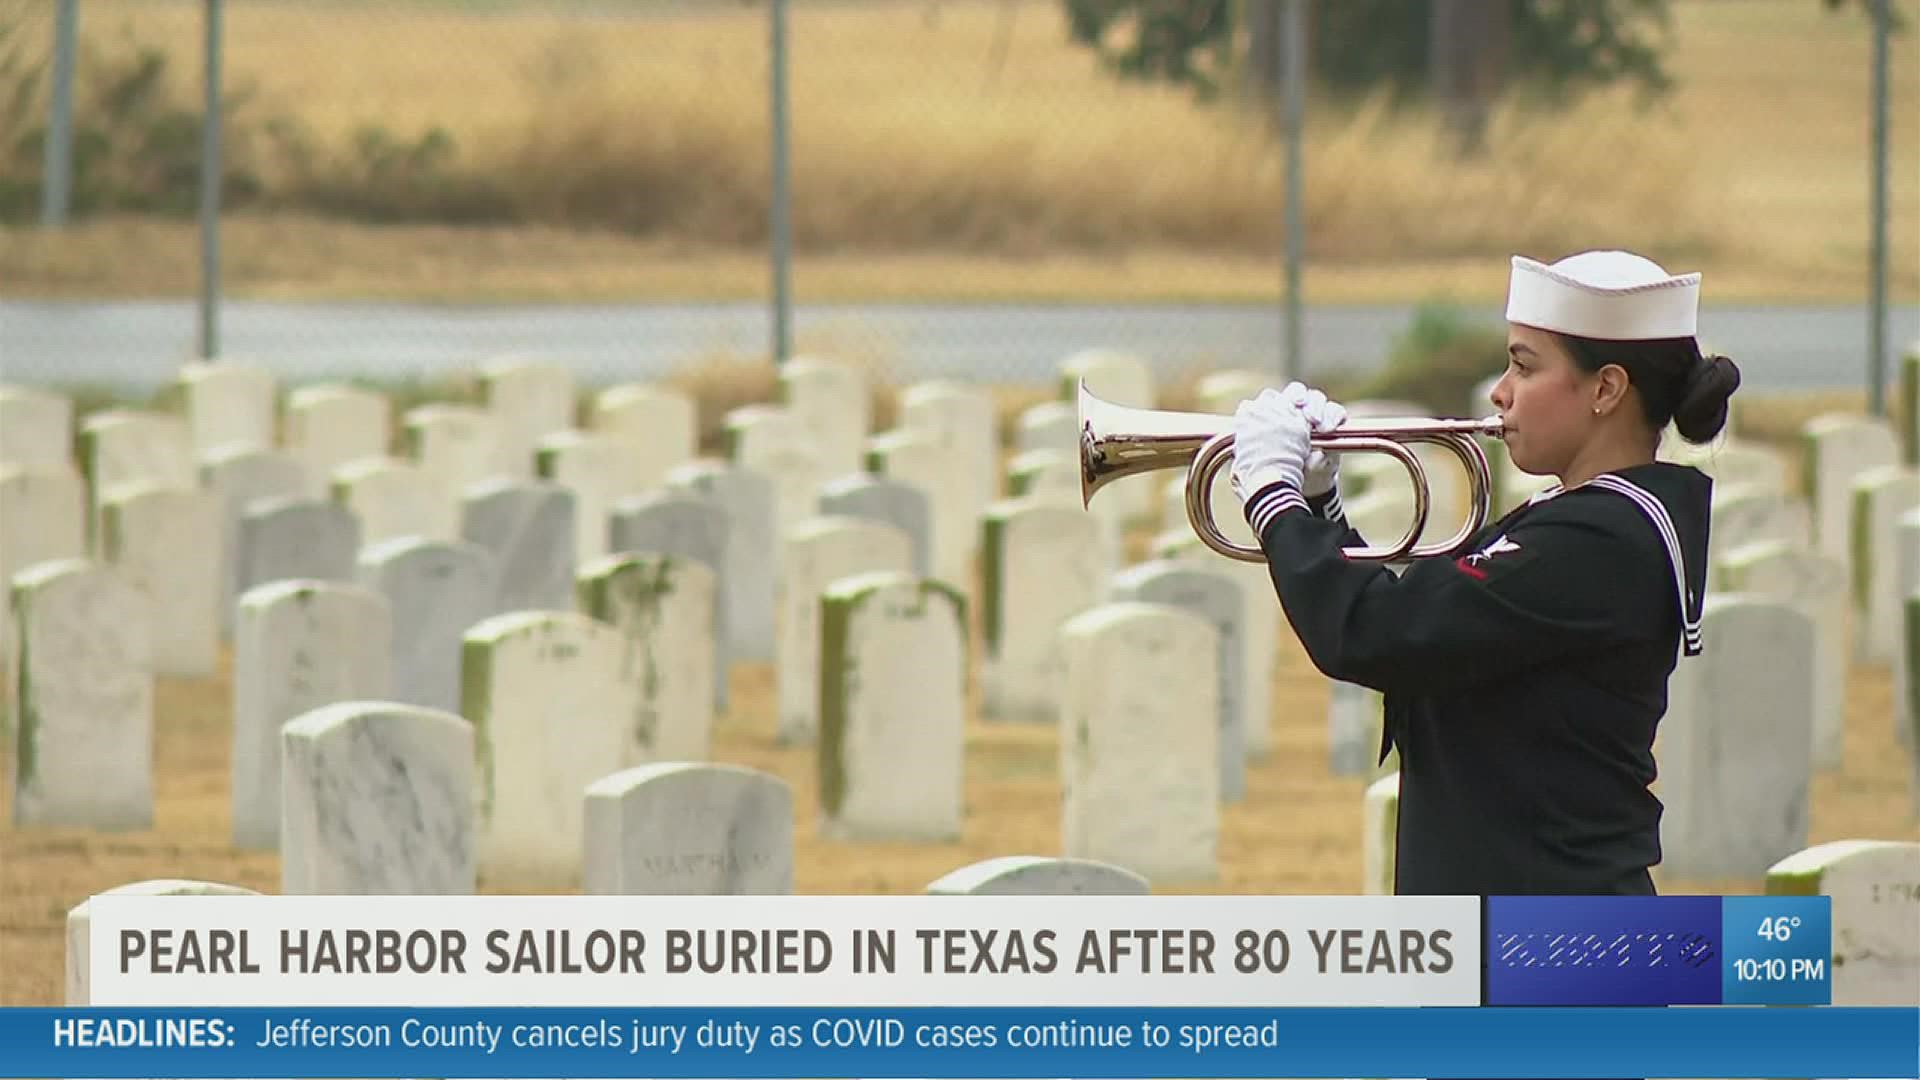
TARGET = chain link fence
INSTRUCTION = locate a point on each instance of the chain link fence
(411, 185)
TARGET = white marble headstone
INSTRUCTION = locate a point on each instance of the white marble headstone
(553, 710)
(1746, 514)
(890, 502)
(1040, 875)
(394, 499)
(1215, 597)
(527, 527)
(1383, 515)
(1388, 481)
(1745, 464)
(377, 801)
(688, 525)
(1050, 425)
(298, 645)
(964, 420)
(1354, 716)
(599, 470)
(1051, 475)
(530, 399)
(660, 426)
(1817, 586)
(166, 543)
(1221, 392)
(460, 445)
(1260, 628)
(685, 523)
(1880, 496)
(1906, 549)
(132, 446)
(1735, 747)
(1838, 447)
(43, 517)
(1875, 891)
(36, 427)
(83, 717)
(436, 591)
(1906, 709)
(753, 550)
(685, 829)
(1910, 392)
(295, 537)
(1119, 377)
(229, 404)
(773, 442)
(919, 458)
(1379, 838)
(820, 551)
(760, 424)
(1229, 515)
(894, 699)
(328, 425)
(834, 404)
(1906, 667)
(80, 926)
(664, 606)
(1046, 473)
(1036, 574)
(239, 476)
(1139, 740)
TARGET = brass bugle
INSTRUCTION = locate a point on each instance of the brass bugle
(1118, 441)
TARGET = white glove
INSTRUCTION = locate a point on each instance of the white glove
(1270, 443)
(1323, 469)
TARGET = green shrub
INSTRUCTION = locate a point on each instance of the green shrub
(1438, 361)
(136, 146)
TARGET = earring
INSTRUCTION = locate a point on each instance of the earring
(1596, 410)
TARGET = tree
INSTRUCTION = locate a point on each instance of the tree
(1460, 53)
(1182, 41)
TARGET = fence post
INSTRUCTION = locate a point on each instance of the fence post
(778, 218)
(1877, 301)
(210, 169)
(1294, 78)
(57, 169)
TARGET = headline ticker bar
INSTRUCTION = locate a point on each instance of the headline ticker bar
(937, 1043)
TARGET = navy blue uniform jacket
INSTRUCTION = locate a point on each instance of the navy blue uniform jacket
(1523, 680)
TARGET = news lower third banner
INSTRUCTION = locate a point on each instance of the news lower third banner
(977, 986)
(758, 951)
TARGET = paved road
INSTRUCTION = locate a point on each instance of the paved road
(140, 344)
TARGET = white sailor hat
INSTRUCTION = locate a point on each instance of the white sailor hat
(1614, 295)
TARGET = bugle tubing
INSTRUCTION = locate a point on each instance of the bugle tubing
(1118, 441)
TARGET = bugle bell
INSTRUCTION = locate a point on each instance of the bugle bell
(1118, 441)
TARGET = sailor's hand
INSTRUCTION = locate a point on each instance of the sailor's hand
(1271, 442)
(1323, 469)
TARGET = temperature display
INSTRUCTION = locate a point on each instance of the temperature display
(1777, 950)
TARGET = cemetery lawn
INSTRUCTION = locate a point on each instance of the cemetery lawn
(1297, 831)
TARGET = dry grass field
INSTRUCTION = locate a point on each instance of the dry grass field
(967, 148)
